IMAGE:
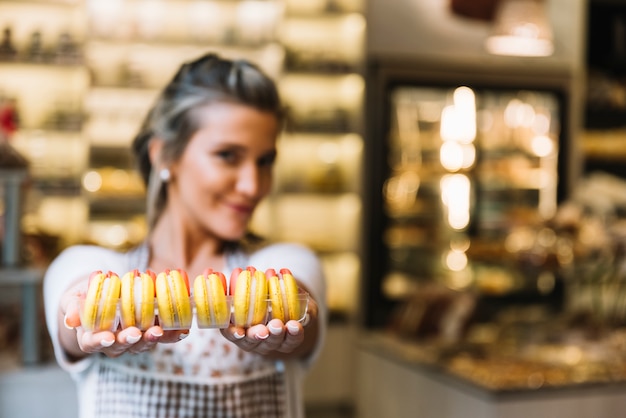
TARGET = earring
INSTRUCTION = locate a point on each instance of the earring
(164, 175)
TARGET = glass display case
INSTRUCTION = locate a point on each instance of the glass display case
(466, 165)
(458, 166)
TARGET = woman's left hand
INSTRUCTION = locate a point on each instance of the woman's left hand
(265, 339)
(277, 339)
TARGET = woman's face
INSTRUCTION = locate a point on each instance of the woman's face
(225, 170)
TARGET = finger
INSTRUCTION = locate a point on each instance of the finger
(131, 340)
(277, 332)
(246, 339)
(148, 340)
(94, 342)
(254, 336)
(152, 334)
(72, 314)
(258, 332)
(276, 336)
(295, 328)
(293, 337)
(129, 337)
(174, 336)
(233, 333)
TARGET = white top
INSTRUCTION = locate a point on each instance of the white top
(203, 359)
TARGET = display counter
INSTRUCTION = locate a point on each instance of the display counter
(402, 378)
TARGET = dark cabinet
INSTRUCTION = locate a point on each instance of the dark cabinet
(604, 133)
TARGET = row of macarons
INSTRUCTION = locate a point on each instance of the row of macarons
(145, 298)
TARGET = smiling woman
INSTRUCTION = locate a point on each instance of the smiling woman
(206, 152)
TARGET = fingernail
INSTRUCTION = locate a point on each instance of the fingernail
(107, 343)
(275, 330)
(132, 339)
(68, 326)
(293, 329)
(261, 337)
(156, 334)
(182, 336)
(238, 336)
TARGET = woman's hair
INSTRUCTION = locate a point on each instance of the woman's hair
(206, 80)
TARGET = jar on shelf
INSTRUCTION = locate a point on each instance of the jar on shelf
(8, 52)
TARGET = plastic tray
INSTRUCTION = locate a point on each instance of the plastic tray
(118, 322)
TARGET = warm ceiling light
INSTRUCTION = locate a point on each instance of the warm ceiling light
(521, 28)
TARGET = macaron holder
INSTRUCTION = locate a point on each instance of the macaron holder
(177, 322)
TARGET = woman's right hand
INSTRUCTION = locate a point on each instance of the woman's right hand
(79, 343)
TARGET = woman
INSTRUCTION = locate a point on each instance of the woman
(206, 152)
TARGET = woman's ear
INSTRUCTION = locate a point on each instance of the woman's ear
(155, 149)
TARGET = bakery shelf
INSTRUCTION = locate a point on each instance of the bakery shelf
(203, 23)
(165, 43)
(324, 222)
(121, 232)
(44, 65)
(117, 70)
(324, 44)
(105, 205)
(324, 163)
(43, 3)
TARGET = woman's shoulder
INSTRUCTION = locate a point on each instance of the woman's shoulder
(92, 256)
(282, 250)
(88, 251)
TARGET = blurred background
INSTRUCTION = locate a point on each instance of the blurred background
(77, 78)
(458, 165)
(82, 75)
